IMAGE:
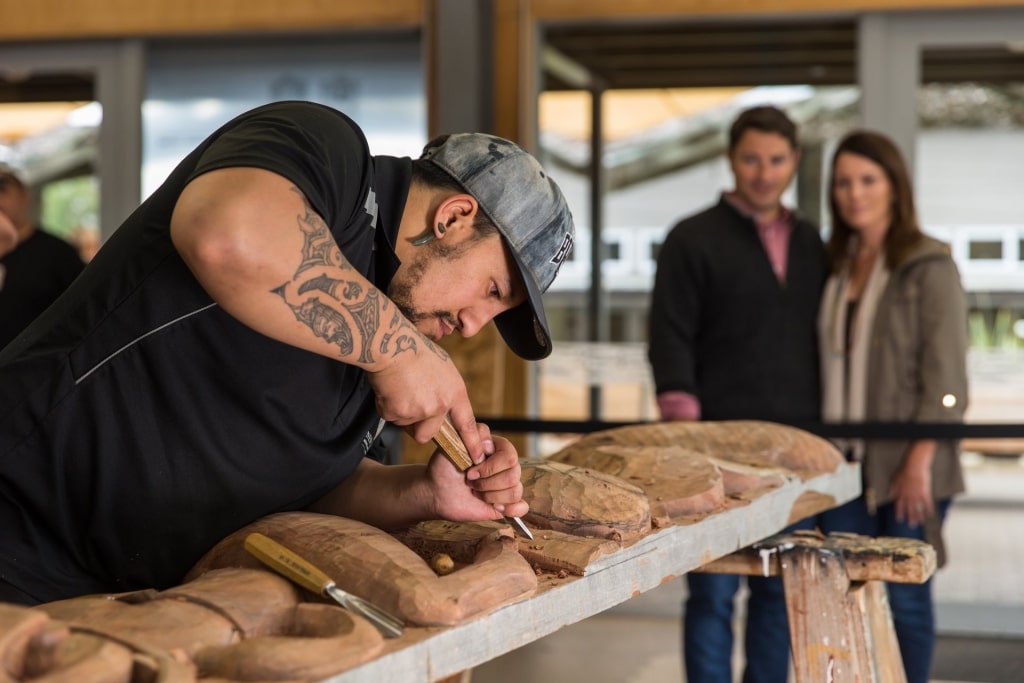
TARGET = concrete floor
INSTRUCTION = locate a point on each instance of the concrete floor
(979, 599)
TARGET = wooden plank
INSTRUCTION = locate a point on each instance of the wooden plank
(582, 10)
(426, 655)
(73, 19)
(898, 560)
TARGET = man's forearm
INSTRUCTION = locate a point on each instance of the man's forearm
(384, 496)
(341, 307)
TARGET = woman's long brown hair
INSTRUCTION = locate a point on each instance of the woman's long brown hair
(904, 231)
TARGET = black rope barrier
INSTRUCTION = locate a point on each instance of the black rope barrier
(863, 430)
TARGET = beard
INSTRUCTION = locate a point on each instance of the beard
(409, 279)
(401, 289)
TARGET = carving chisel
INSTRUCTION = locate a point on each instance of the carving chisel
(291, 565)
(448, 439)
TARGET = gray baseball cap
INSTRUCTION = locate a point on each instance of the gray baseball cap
(530, 211)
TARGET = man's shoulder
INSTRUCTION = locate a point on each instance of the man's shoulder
(703, 220)
(45, 244)
(807, 230)
(802, 222)
(296, 108)
(314, 120)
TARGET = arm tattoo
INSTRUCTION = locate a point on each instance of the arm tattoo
(354, 289)
(367, 317)
(413, 344)
(438, 351)
(405, 343)
(326, 323)
(385, 341)
(322, 283)
(319, 248)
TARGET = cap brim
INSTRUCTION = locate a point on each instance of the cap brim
(525, 327)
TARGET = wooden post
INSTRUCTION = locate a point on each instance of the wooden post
(827, 629)
(885, 649)
(840, 623)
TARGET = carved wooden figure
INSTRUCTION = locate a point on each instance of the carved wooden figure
(676, 481)
(55, 652)
(550, 551)
(748, 442)
(584, 502)
(239, 624)
(374, 565)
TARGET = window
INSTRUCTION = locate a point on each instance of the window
(612, 251)
(978, 250)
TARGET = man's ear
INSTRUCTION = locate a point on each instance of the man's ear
(457, 211)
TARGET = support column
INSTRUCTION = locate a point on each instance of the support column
(475, 60)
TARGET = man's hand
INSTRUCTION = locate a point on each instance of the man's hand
(422, 386)
(678, 405)
(487, 491)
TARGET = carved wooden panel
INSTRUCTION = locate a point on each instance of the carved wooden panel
(375, 566)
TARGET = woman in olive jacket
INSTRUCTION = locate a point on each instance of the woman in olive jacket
(893, 336)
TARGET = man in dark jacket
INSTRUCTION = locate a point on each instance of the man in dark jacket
(732, 336)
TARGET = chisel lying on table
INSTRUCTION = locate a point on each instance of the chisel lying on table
(448, 439)
(291, 565)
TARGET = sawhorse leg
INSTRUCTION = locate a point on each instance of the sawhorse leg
(839, 618)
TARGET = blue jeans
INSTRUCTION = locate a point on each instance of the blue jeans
(913, 612)
(707, 627)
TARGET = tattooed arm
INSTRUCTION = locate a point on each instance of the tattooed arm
(268, 259)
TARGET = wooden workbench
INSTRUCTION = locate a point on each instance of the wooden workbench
(425, 655)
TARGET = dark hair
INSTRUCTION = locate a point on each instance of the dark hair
(766, 119)
(904, 231)
(428, 174)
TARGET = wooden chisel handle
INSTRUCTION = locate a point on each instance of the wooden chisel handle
(451, 443)
(287, 563)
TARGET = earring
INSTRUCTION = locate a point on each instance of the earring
(428, 236)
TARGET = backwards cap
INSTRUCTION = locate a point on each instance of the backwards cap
(530, 211)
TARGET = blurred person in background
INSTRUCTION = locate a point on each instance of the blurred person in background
(8, 238)
(893, 335)
(732, 336)
(37, 267)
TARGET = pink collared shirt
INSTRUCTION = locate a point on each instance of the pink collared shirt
(774, 233)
